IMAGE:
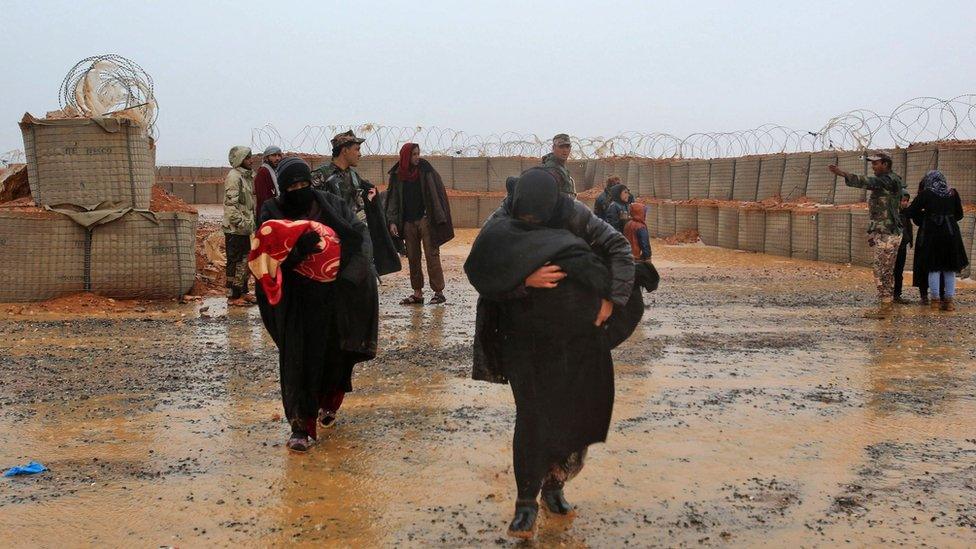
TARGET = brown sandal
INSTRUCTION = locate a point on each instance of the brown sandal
(437, 299)
(412, 300)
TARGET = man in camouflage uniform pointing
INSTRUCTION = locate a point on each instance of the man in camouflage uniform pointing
(885, 228)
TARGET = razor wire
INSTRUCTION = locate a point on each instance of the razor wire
(15, 156)
(107, 85)
(922, 119)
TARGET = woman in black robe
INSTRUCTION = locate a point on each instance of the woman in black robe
(940, 252)
(322, 329)
(545, 297)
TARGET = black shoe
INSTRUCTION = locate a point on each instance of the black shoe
(523, 524)
(556, 502)
(327, 418)
(901, 300)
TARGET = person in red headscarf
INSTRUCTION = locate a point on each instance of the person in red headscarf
(636, 232)
(418, 211)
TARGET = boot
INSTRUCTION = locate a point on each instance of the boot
(883, 310)
(556, 503)
(523, 524)
(936, 304)
(947, 304)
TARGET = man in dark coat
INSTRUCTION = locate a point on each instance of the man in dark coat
(417, 210)
(340, 178)
(321, 329)
(545, 298)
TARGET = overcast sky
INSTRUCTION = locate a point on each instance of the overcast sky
(587, 68)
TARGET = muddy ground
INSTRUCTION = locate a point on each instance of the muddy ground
(754, 406)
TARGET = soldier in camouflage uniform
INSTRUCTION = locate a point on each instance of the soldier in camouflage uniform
(885, 228)
(555, 162)
(340, 178)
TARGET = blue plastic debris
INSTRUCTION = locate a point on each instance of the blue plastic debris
(31, 468)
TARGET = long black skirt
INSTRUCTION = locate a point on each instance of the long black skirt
(304, 327)
(559, 367)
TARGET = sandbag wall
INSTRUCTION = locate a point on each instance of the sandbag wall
(141, 255)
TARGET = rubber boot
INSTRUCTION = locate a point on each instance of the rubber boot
(556, 503)
(523, 525)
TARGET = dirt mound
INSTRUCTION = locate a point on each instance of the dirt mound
(163, 201)
(14, 183)
(82, 302)
(684, 237)
(211, 279)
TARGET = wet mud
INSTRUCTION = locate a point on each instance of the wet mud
(754, 405)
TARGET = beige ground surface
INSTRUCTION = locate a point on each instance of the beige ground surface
(754, 407)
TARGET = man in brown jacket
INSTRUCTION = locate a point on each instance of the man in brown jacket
(417, 209)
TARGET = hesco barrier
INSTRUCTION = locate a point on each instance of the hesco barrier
(754, 178)
(834, 235)
(861, 253)
(680, 181)
(967, 227)
(820, 182)
(795, 172)
(720, 179)
(708, 224)
(633, 176)
(47, 255)
(665, 219)
(685, 218)
(850, 162)
(770, 176)
(752, 230)
(698, 174)
(645, 182)
(86, 161)
(745, 184)
(959, 166)
(728, 227)
(825, 233)
(652, 225)
(803, 235)
(777, 241)
(143, 255)
(919, 161)
(662, 180)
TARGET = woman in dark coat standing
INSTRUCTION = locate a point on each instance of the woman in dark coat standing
(940, 252)
(546, 296)
(321, 329)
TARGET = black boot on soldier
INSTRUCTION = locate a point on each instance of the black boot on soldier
(556, 503)
(523, 524)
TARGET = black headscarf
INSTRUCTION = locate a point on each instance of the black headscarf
(616, 191)
(293, 170)
(537, 199)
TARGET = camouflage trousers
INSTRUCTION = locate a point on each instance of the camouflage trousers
(237, 246)
(885, 253)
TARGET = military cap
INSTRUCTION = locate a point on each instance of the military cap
(346, 138)
(561, 139)
(878, 155)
